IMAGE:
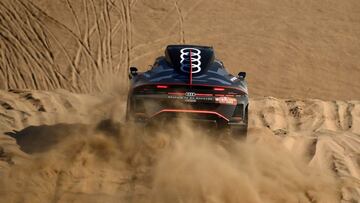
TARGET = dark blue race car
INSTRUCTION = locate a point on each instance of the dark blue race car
(189, 81)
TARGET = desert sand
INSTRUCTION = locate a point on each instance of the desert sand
(63, 86)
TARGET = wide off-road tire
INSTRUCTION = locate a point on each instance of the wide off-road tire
(240, 131)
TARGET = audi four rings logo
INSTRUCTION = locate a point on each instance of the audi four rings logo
(188, 60)
(190, 94)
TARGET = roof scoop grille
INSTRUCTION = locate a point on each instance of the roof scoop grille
(189, 58)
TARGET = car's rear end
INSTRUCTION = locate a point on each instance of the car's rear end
(209, 105)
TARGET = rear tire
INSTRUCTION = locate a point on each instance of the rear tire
(240, 131)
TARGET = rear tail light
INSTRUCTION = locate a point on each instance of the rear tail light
(203, 95)
(199, 90)
(162, 86)
(219, 89)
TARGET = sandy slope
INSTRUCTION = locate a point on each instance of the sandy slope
(291, 49)
(305, 151)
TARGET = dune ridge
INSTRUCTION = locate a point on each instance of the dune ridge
(289, 49)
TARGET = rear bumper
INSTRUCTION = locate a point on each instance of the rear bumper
(193, 113)
(209, 120)
(148, 108)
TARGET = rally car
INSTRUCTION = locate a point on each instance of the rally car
(189, 82)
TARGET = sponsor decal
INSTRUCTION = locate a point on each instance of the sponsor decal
(190, 58)
(219, 99)
(226, 100)
(191, 97)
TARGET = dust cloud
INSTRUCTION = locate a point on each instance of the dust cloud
(198, 168)
(112, 162)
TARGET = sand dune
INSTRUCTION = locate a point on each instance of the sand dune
(63, 86)
(290, 49)
(305, 151)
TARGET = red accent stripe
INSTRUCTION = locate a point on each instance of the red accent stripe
(203, 95)
(190, 69)
(176, 93)
(190, 111)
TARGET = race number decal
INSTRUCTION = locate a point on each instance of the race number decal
(190, 58)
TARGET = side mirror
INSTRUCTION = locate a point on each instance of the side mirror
(242, 75)
(133, 72)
